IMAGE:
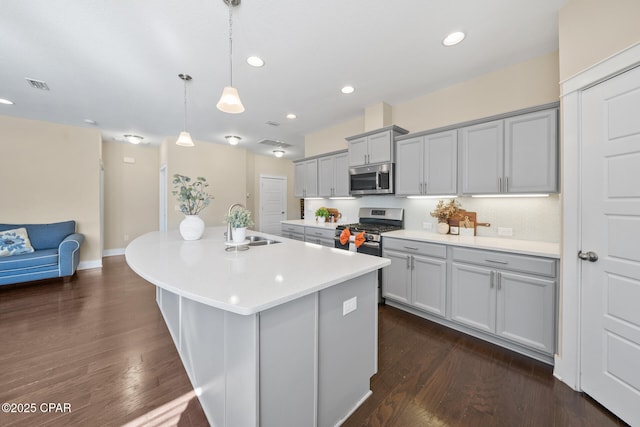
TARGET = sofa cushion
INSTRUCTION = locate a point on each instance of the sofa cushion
(38, 259)
(15, 242)
(45, 236)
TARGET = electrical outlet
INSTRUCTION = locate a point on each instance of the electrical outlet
(427, 226)
(505, 231)
(126, 237)
(349, 305)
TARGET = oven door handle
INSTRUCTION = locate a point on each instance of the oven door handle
(371, 244)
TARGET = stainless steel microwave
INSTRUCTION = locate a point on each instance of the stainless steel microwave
(373, 179)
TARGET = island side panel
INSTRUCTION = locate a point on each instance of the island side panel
(288, 363)
(348, 351)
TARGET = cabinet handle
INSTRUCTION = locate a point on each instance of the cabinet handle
(413, 262)
(408, 262)
(506, 184)
(425, 187)
(411, 248)
(499, 281)
(499, 185)
(496, 261)
(420, 188)
(491, 278)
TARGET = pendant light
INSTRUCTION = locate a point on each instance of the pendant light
(230, 100)
(184, 140)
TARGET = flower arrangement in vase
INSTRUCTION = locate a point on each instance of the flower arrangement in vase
(192, 199)
(239, 219)
(443, 211)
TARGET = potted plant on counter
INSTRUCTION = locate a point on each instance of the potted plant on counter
(239, 219)
(322, 214)
(443, 212)
(192, 199)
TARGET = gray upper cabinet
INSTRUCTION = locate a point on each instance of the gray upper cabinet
(333, 175)
(373, 147)
(306, 178)
(427, 165)
(514, 155)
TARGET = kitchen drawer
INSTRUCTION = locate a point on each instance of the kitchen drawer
(289, 228)
(294, 236)
(505, 261)
(412, 246)
(322, 233)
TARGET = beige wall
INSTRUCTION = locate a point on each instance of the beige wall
(51, 173)
(593, 30)
(131, 192)
(527, 84)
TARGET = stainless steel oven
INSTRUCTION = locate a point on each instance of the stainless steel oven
(372, 179)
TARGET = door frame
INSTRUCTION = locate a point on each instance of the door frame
(568, 358)
(286, 195)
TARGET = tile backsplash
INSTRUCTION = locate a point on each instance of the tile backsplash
(530, 218)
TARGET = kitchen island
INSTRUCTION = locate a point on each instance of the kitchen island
(281, 334)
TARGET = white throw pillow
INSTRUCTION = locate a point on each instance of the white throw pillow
(14, 242)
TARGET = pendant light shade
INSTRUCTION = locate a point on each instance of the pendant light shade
(184, 139)
(230, 100)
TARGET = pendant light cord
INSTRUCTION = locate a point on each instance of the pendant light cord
(185, 103)
(230, 47)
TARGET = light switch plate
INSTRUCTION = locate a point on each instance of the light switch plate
(349, 305)
(427, 226)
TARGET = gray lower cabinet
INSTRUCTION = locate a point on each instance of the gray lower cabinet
(295, 232)
(417, 275)
(320, 236)
(511, 296)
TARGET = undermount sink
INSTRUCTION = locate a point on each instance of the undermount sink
(261, 241)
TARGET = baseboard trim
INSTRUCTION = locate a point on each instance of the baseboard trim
(86, 265)
(113, 252)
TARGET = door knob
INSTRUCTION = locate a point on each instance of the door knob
(588, 256)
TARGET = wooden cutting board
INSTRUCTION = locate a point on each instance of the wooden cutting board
(459, 219)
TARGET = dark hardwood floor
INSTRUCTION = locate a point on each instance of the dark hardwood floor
(98, 344)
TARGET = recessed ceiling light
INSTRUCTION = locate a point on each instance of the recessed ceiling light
(347, 89)
(232, 139)
(6, 101)
(291, 116)
(255, 61)
(453, 38)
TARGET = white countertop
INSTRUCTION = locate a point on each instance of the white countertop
(525, 247)
(312, 223)
(243, 282)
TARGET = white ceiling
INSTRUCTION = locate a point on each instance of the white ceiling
(117, 61)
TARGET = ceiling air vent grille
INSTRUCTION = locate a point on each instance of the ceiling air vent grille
(272, 143)
(272, 123)
(37, 84)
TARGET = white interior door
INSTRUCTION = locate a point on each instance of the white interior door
(610, 206)
(273, 203)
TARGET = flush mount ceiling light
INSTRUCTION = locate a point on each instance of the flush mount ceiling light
(255, 61)
(347, 89)
(232, 139)
(453, 38)
(230, 100)
(133, 139)
(278, 153)
(291, 116)
(184, 139)
(6, 101)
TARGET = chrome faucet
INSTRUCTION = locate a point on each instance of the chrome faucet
(229, 232)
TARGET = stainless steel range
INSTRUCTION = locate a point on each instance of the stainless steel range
(364, 236)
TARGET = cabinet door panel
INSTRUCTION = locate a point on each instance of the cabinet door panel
(341, 175)
(441, 163)
(430, 284)
(311, 178)
(299, 180)
(473, 297)
(380, 146)
(531, 153)
(396, 278)
(358, 151)
(409, 166)
(326, 173)
(482, 157)
(526, 311)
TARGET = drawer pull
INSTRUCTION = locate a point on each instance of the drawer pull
(411, 248)
(495, 261)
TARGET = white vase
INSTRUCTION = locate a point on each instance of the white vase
(443, 227)
(191, 227)
(321, 219)
(239, 234)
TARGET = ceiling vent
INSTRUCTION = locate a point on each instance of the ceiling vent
(37, 84)
(271, 123)
(272, 143)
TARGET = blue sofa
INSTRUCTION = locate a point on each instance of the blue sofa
(56, 253)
